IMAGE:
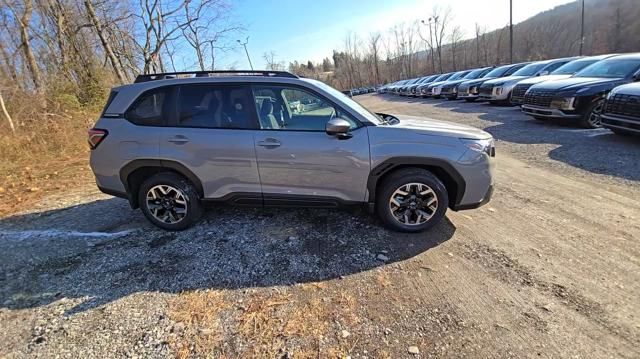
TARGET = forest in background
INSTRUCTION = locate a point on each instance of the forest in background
(59, 58)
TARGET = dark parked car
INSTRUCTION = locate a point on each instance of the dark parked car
(421, 90)
(450, 88)
(581, 97)
(621, 112)
(436, 87)
(470, 90)
(413, 89)
(565, 71)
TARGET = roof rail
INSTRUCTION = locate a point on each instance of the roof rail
(188, 74)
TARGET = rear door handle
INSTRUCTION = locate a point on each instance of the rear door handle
(269, 143)
(179, 139)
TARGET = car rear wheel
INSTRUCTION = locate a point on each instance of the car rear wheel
(591, 117)
(412, 200)
(169, 201)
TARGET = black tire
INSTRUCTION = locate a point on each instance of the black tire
(188, 191)
(595, 109)
(470, 99)
(402, 177)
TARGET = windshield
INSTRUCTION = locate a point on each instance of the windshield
(498, 72)
(573, 67)
(611, 68)
(457, 75)
(348, 101)
(474, 74)
(530, 69)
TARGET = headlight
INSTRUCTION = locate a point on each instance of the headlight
(498, 91)
(473, 89)
(563, 103)
(454, 89)
(486, 145)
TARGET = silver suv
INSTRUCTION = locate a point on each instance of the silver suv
(171, 142)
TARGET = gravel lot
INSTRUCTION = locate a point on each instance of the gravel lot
(550, 268)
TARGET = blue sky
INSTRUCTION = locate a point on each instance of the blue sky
(308, 30)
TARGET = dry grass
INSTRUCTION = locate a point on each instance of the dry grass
(199, 312)
(48, 152)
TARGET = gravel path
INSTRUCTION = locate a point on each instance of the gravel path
(548, 269)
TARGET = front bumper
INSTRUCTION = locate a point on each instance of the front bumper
(620, 122)
(547, 112)
(485, 200)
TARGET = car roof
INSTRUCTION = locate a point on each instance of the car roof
(632, 56)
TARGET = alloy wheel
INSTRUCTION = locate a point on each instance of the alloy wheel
(596, 112)
(167, 204)
(413, 204)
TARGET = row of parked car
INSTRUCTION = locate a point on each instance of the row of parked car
(359, 91)
(596, 90)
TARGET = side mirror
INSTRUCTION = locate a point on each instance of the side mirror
(543, 73)
(338, 127)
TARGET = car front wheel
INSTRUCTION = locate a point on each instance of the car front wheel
(591, 117)
(412, 200)
(169, 201)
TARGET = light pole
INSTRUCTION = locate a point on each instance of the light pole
(433, 61)
(511, 31)
(245, 50)
(582, 29)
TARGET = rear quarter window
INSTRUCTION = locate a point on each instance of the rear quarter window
(148, 108)
(112, 95)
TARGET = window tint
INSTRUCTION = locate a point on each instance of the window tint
(211, 106)
(553, 67)
(147, 110)
(512, 70)
(611, 68)
(293, 109)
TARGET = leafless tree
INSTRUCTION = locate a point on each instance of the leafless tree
(23, 12)
(374, 47)
(272, 64)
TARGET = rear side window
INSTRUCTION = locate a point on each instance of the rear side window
(148, 108)
(112, 95)
(214, 106)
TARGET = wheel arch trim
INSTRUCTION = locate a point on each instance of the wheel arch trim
(394, 163)
(174, 166)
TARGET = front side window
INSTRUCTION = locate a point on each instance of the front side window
(214, 106)
(147, 110)
(293, 109)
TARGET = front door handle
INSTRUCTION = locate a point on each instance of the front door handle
(179, 139)
(269, 143)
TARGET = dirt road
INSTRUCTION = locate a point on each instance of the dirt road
(550, 268)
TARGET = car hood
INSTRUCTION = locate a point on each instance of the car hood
(434, 84)
(505, 80)
(427, 126)
(454, 82)
(477, 81)
(539, 79)
(576, 83)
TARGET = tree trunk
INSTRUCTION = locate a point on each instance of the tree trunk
(30, 59)
(105, 43)
(6, 114)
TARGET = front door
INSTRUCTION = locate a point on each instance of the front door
(297, 160)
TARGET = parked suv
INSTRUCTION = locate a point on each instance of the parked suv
(563, 72)
(581, 97)
(169, 144)
(499, 90)
(470, 90)
(621, 113)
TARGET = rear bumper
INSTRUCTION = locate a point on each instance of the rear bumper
(547, 112)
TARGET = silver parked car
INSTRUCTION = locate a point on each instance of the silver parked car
(170, 142)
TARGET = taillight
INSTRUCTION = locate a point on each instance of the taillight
(96, 136)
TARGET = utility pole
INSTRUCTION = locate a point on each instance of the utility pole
(582, 29)
(433, 61)
(511, 31)
(246, 51)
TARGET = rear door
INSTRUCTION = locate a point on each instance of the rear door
(211, 133)
(297, 160)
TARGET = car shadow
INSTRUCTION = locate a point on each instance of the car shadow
(101, 251)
